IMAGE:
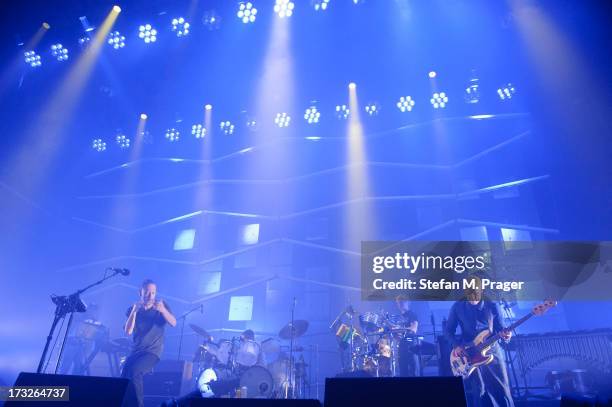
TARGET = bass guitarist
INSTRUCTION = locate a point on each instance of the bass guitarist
(488, 383)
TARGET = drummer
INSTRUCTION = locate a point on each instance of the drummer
(247, 335)
(408, 359)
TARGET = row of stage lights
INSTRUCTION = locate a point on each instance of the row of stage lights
(246, 12)
(312, 115)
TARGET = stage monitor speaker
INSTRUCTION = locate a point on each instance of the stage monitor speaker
(389, 391)
(253, 403)
(87, 391)
(169, 378)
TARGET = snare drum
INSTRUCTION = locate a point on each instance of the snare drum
(247, 353)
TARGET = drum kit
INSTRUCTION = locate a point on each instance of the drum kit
(243, 367)
(373, 347)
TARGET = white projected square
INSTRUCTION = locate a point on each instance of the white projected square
(250, 233)
(474, 234)
(184, 240)
(241, 308)
(515, 239)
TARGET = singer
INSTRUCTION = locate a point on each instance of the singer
(146, 320)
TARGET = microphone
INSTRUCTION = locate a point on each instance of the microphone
(121, 271)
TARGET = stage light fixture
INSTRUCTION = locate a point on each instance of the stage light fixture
(282, 119)
(172, 134)
(472, 91)
(208, 107)
(117, 9)
(405, 104)
(87, 27)
(432, 74)
(198, 131)
(116, 40)
(251, 124)
(122, 141)
(312, 115)
(98, 145)
(32, 59)
(211, 20)
(320, 5)
(147, 33)
(439, 100)
(84, 41)
(506, 92)
(143, 116)
(180, 27)
(227, 127)
(342, 112)
(352, 85)
(284, 8)
(59, 52)
(372, 108)
(246, 12)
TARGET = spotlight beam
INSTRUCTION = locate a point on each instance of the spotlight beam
(34, 157)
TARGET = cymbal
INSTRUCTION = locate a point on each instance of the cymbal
(296, 330)
(200, 331)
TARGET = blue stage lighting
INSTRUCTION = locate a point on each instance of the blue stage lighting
(284, 8)
(147, 33)
(246, 12)
(251, 124)
(211, 20)
(227, 128)
(59, 52)
(98, 145)
(472, 91)
(122, 141)
(180, 27)
(312, 115)
(116, 40)
(372, 108)
(282, 119)
(84, 41)
(506, 92)
(342, 112)
(198, 131)
(439, 100)
(320, 5)
(32, 59)
(405, 104)
(172, 134)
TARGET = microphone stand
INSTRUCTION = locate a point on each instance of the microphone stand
(183, 317)
(290, 384)
(65, 305)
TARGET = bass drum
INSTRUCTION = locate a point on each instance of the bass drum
(258, 382)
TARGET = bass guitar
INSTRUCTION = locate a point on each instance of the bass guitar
(464, 360)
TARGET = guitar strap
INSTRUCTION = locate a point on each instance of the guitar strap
(490, 320)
